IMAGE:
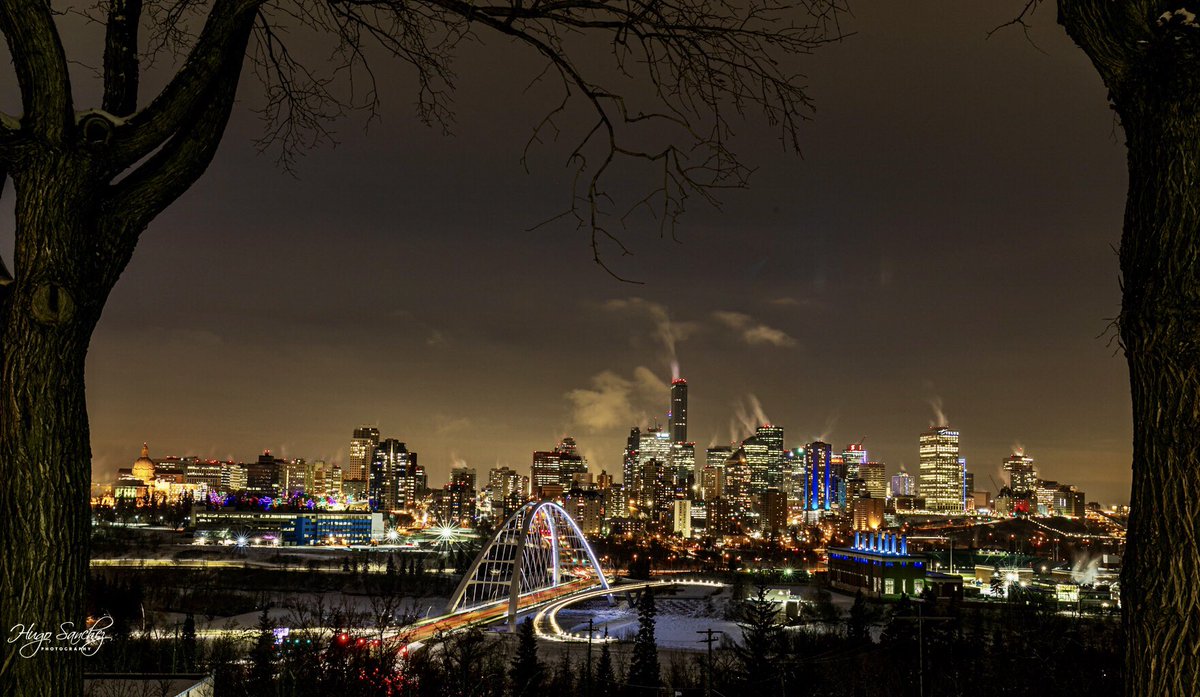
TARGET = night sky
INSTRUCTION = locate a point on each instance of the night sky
(946, 237)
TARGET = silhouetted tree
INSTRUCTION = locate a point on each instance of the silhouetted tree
(859, 620)
(187, 639)
(89, 181)
(759, 650)
(606, 677)
(645, 676)
(527, 673)
(262, 657)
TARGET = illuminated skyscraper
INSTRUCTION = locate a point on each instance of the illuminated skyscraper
(546, 473)
(942, 470)
(772, 437)
(390, 460)
(758, 457)
(797, 486)
(679, 406)
(822, 485)
(1022, 476)
(853, 458)
(903, 484)
(873, 474)
(712, 482)
(362, 450)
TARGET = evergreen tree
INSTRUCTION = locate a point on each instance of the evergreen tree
(645, 677)
(391, 566)
(859, 619)
(606, 677)
(187, 639)
(527, 671)
(262, 656)
(759, 650)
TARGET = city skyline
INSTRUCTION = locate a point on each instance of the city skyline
(984, 477)
(298, 306)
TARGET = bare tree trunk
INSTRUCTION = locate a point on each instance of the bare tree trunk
(1160, 331)
(46, 319)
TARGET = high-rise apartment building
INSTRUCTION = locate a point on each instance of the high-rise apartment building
(903, 484)
(390, 460)
(942, 470)
(362, 451)
(505, 491)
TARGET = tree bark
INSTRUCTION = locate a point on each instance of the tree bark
(46, 320)
(1160, 332)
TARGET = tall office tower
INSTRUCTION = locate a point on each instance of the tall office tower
(653, 463)
(682, 462)
(942, 471)
(772, 437)
(678, 415)
(903, 484)
(362, 449)
(233, 477)
(545, 475)
(411, 485)
(389, 462)
(822, 484)
(295, 474)
(570, 462)
(1022, 476)
(853, 458)
(629, 466)
(758, 457)
(604, 480)
(797, 483)
(739, 486)
(873, 474)
(264, 477)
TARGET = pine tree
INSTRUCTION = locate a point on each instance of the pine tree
(262, 656)
(859, 619)
(527, 671)
(645, 677)
(606, 677)
(759, 649)
(187, 638)
(391, 566)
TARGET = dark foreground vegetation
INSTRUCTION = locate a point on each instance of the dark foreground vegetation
(912, 647)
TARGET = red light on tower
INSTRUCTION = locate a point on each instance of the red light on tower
(679, 381)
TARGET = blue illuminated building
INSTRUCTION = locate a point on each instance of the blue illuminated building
(818, 464)
(879, 565)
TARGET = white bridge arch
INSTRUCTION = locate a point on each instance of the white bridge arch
(540, 547)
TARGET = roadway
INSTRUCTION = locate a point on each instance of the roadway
(545, 622)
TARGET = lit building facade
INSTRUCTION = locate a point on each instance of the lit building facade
(942, 482)
(362, 451)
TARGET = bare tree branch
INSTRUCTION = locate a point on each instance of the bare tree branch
(220, 48)
(41, 66)
(121, 69)
(167, 174)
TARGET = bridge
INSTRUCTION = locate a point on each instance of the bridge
(537, 555)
